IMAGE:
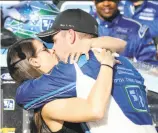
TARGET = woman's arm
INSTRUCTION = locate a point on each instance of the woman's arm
(84, 45)
(107, 42)
(92, 108)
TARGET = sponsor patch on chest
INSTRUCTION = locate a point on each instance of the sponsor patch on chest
(122, 33)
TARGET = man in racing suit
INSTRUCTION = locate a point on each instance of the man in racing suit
(145, 12)
(140, 44)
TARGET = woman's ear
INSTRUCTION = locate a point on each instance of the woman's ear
(72, 36)
(34, 62)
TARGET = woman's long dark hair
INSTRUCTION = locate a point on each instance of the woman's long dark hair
(37, 124)
(20, 70)
(32, 126)
(18, 60)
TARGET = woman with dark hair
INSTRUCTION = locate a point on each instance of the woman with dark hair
(18, 65)
(29, 59)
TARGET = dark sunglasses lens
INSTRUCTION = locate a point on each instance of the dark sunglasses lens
(44, 45)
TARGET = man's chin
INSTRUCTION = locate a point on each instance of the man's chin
(107, 16)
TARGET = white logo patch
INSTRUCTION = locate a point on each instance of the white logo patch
(142, 31)
(148, 14)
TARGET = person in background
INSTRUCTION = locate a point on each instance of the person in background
(144, 11)
(140, 45)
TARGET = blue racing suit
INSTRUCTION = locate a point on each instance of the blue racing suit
(128, 88)
(146, 14)
(140, 45)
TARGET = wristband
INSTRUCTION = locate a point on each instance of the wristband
(107, 65)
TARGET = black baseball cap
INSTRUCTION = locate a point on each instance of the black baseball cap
(75, 19)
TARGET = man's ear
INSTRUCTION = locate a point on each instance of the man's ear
(72, 36)
(34, 62)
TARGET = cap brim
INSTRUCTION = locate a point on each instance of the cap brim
(46, 36)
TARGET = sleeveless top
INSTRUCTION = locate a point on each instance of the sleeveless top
(66, 128)
(70, 128)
